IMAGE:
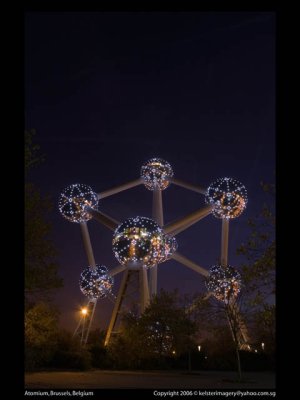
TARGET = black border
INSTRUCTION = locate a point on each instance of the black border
(285, 35)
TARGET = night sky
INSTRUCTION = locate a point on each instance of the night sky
(106, 91)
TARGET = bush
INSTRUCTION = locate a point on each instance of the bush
(256, 361)
(70, 359)
(32, 358)
(41, 332)
(99, 356)
(69, 353)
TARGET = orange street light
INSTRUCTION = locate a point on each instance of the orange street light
(84, 311)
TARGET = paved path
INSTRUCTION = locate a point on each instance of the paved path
(98, 379)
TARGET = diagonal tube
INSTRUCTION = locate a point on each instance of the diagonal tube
(119, 188)
(104, 219)
(185, 222)
(116, 270)
(190, 264)
(189, 186)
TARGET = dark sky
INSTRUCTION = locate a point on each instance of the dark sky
(106, 91)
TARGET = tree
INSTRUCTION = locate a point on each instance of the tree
(259, 271)
(162, 331)
(40, 324)
(256, 303)
(40, 264)
(225, 314)
(99, 353)
(41, 278)
(32, 156)
(40, 334)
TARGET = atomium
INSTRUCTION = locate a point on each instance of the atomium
(74, 200)
(139, 243)
(224, 282)
(156, 174)
(95, 283)
(139, 239)
(228, 198)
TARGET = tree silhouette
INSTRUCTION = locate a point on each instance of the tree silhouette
(40, 265)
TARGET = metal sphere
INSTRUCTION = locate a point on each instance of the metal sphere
(95, 283)
(156, 174)
(228, 197)
(224, 282)
(74, 200)
(171, 246)
(138, 239)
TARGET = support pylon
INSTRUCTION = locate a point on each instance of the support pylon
(134, 282)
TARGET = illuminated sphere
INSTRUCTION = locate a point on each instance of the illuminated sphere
(73, 201)
(95, 283)
(228, 197)
(138, 239)
(224, 282)
(156, 174)
(171, 246)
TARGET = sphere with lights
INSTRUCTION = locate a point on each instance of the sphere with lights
(95, 283)
(74, 200)
(171, 246)
(139, 240)
(224, 282)
(228, 198)
(156, 174)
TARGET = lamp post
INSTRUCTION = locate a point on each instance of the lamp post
(84, 312)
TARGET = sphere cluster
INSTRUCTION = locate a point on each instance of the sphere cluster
(156, 174)
(224, 282)
(74, 200)
(228, 198)
(95, 283)
(142, 240)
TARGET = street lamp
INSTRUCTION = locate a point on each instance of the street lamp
(84, 311)
(263, 346)
(199, 348)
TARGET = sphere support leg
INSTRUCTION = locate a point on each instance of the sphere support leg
(117, 307)
(144, 289)
(158, 216)
(237, 326)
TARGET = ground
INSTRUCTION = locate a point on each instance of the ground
(99, 379)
